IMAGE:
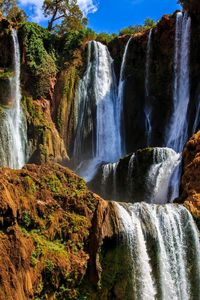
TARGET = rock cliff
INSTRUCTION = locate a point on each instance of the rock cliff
(191, 175)
(51, 232)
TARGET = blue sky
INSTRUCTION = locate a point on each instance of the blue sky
(110, 15)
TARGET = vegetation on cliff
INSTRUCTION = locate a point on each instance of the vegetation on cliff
(57, 239)
(45, 221)
(45, 144)
(148, 24)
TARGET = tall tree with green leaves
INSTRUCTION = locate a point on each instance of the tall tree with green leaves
(67, 12)
(10, 9)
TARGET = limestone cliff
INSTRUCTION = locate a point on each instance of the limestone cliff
(191, 176)
(44, 141)
(51, 232)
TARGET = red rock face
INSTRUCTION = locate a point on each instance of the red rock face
(40, 205)
(45, 142)
(193, 6)
(191, 175)
(51, 232)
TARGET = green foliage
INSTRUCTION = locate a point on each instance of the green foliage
(6, 74)
(40, 57)
(148, 23)
(29, 185)
(131, 30)
(13, 13)
(105, 38)
(34, 259)
(26, 219)
(66, 11)
(68, 43)
(49, 266)
(54, 184)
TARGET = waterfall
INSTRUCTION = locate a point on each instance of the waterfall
(154, 179)
(177, 132)
(109, 180)
(121, 93)
(147, 108)
(163, 245)
(165, 166)
(196, 123)
(13, 129)
(151, 175)
(98, 135)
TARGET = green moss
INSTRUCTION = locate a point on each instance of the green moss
(71, 78)
(26, 219)
(30, 185)
(35, 113)
(43, 247)
(39, 127)
(6, 75)
(116, 274)
(54, 184)
(49, 266)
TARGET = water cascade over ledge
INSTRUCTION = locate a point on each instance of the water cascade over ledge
(151, 175)
(120, 100)
(98, 136)
(177, 129)
(148, 108)
(13, 135)
(163, 251)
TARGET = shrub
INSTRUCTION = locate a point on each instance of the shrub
(40, 57)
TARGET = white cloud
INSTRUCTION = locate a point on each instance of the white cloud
(35, 6)
(87, 6)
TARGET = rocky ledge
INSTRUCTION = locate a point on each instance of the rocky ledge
(191, 175)
(51, 230)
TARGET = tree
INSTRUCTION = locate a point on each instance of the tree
(67, 11)
(149, 23)
(10, 9)
(131, 30)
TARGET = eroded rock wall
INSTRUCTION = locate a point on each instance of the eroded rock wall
(191, 176)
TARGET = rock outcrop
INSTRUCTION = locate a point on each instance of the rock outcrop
(193, 6)
(51, 233)
(191, 176)
(44, 142)
(146, 175)
(64, 98)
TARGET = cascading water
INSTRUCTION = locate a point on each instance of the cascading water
(160, 187)
(148, 108)
(13, 136)
(99, 112)
(163, 246)
(98, 119)
(152, 176)
(197, 117)
(109, 175)
(121, 86)
(177, 132)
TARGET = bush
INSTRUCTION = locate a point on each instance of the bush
(105, 38)
(148, 23)
(40, 58)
